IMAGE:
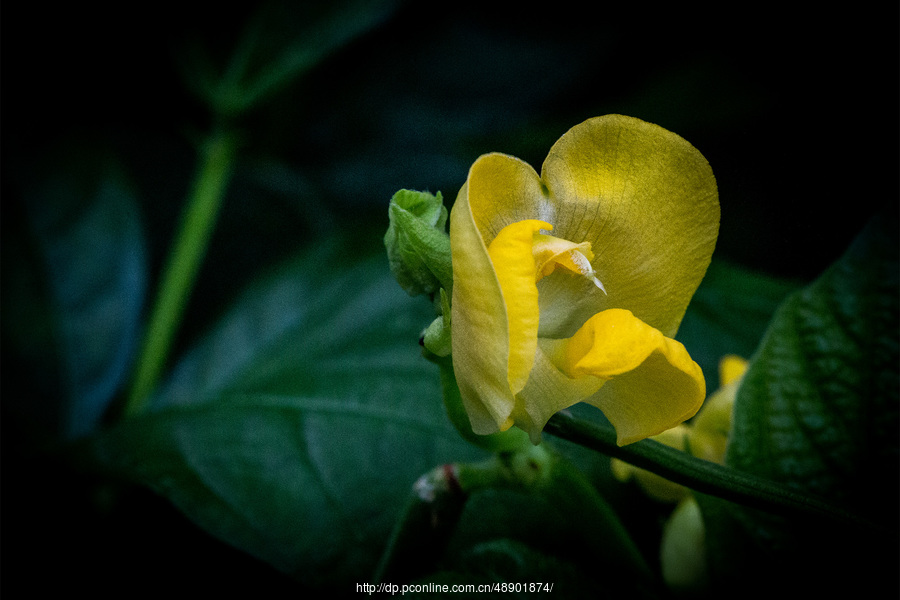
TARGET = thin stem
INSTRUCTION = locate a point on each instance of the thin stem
(421, 533)
(187, 252)
(703, 476)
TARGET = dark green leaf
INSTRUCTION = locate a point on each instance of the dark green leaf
(295, 430)
(303, 329)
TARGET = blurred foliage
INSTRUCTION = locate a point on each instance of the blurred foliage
(818, 410)
(103, 109)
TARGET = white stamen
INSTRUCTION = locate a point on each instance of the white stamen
(597, 282)
(585, 268)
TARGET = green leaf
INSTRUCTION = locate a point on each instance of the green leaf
(296, 428)
(580, 533)
(818, 411)
(333, 310)
(85, 226)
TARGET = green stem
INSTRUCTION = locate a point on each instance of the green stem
(181, 269)
(700, 475)
(424, 527)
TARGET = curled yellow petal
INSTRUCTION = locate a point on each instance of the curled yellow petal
(652, 382)
(514, 265)
(499, 191)
(551, 252)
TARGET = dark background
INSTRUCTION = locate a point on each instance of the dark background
(795, 109)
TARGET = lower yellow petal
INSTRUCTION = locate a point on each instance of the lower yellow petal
(653, 384)
(548, 391)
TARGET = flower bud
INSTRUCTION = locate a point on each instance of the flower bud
(417, 243)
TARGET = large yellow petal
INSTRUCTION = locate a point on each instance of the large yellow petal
(652, 384)
(646, 201)
(480, 339)
(515, 268)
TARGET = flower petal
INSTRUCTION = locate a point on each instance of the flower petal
(502, 190)
(499, 190)
(514, 265)
(548, 391)
(653, 384)
(552, 252)
(731, 368)
(480, 339)
(647, 202)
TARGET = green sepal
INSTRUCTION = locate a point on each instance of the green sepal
(417, 244)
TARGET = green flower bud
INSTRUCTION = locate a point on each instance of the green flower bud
(417, 243)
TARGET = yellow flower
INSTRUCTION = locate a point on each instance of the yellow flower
(568, 286)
